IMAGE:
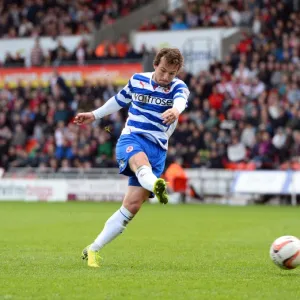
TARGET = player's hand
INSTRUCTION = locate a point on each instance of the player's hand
(84, 118)
(170, 116)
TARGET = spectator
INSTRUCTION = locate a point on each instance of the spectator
(59, 87)
(62, 114)
(80, 53)
(215, 160)
(179, 23)
(164, 22)
(147, 26)
(248, 136)
(19, 138)
(263, 151)
(25, 28)
(236, 152)
(36, 56)
(175, 173)
(122, 47)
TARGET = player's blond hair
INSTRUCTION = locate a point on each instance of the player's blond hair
(172, 55)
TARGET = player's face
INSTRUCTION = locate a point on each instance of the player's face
(164, 73)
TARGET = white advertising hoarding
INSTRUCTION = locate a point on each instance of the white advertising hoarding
(294, 183)
(33, 190)
(199, 46)
(63, 189)
(260, 182)
(244, 182)
(97, 190)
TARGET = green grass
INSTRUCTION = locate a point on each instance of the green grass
(167, 252)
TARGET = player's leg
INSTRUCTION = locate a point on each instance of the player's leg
(129, 146)
(140, 165)
(132, 154)
(116, 224)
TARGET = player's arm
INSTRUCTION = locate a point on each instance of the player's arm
(179, 104)
(114, 104)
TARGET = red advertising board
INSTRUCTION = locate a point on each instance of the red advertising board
(116, 73)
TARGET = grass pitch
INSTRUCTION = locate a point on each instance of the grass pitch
(167, 252)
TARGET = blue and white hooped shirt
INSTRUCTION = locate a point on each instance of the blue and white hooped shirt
(148, 102)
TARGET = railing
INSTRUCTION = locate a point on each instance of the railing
(205, 181)
(220, 186)
(70, 173)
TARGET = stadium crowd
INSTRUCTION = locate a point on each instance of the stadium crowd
(224, 13)
(39, 18)
(244, 112)
(35, 18)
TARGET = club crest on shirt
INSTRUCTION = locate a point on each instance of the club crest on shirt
(166, 89)
(142, 84)
(129, 149)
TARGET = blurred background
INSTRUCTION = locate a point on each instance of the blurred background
(239, 139)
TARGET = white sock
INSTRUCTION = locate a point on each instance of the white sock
(113, 227)
(146, 178)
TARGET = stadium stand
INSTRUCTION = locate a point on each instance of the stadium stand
(206, 13)
(39, 18)
(82, 54)
(244, 112)
(34, 18)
